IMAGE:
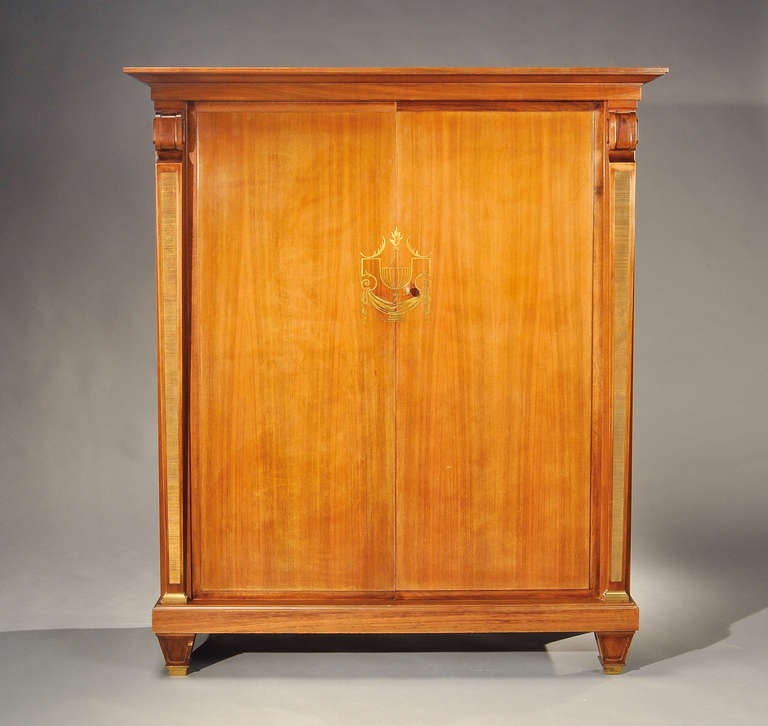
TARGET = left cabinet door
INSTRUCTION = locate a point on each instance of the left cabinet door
(291, 390)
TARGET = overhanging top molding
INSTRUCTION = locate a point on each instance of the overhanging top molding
(408, 75)
(392, 84)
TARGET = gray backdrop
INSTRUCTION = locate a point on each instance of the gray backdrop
(78, 462)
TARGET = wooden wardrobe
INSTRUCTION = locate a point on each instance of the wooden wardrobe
(395, 350)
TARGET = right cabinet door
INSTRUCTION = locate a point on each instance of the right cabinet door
(493, 419)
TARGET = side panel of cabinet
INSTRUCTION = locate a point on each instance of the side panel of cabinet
(292, 391)
(494, 388)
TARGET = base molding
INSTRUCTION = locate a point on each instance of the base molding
(396, 617)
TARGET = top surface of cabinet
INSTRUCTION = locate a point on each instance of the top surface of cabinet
(395, 83)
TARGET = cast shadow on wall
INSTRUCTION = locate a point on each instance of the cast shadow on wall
(700, 467)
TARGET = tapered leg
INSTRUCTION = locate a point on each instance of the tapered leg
(177, 650)
(613, 649)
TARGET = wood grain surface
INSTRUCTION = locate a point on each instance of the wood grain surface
(326, 471)
(380, 84)
(292, 391)
(446, 74)
(394, 90)
(400, 617)
(493, 391)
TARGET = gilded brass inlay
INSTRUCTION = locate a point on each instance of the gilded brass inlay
(406, 286)
(623, 181)
(615, 596)
(168, 202)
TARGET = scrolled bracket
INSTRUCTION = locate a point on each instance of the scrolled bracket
(168, 136)
(622, 135)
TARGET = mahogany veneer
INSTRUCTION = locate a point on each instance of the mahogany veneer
(395, 350)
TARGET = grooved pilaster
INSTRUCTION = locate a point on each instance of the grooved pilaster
(168, 134)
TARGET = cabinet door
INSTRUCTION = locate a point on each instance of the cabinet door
(292, 391)
(494, 389)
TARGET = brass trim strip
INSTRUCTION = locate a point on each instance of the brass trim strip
(169, 235)
(615, 596)
(623, 178)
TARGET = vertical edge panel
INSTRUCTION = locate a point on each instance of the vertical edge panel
(169, 279)
(623, 232)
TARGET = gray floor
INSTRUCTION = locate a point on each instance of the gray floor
(116, 677)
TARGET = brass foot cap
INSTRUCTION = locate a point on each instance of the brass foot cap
(177, 671)
(613, 669)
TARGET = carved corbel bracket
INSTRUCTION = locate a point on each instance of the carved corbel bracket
(622, 135)
(168, 136)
